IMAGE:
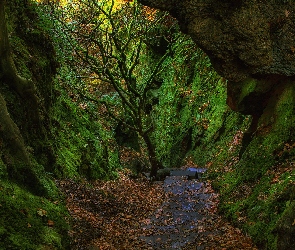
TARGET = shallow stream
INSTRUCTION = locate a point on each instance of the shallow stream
(175, 224)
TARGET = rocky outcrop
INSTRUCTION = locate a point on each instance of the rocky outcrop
(245, 40)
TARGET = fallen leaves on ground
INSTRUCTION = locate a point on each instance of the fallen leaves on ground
(107, 214)
(112, 215)
(217, 233)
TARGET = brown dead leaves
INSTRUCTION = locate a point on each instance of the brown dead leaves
(107, 215)
(110, 215)
(218, 234)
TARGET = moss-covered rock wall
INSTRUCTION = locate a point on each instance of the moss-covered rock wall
(48, 133)
(248, 141)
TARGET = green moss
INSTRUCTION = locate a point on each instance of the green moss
(25, 218)
(82, 146)
(285, 226)
(256, 192)
(247, 86)
(61, 138)
(20, 49)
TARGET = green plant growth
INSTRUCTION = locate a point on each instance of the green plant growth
(31, 222)
(256, 186)
(83, 146)
(203, 111)
(44, 132)
(110, 44)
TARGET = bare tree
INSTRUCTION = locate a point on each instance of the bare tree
(110, 43)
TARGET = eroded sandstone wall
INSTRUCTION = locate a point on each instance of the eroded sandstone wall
(245, 39)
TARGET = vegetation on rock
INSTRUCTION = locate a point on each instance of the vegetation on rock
(121, 86)
(250, 154)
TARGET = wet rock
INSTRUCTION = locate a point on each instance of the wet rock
(162, 173)
(191, 173)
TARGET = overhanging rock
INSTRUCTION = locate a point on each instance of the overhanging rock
(243, 38)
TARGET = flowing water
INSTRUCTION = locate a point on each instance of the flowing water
(175, 224)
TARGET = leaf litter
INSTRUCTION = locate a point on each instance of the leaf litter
(136, 214)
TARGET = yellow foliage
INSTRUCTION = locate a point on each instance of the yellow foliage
(117, 3)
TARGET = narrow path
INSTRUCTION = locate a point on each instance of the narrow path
(175, 223)
(187, 219)
(133, 214)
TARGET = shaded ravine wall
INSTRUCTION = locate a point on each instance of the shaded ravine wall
(44, 134)
(251, 44)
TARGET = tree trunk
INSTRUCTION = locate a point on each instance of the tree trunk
(155, 164)
(15, 155)
(19, 166)
(8, 72)
(7, 68)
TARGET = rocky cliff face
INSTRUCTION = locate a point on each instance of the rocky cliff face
(245, 39)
